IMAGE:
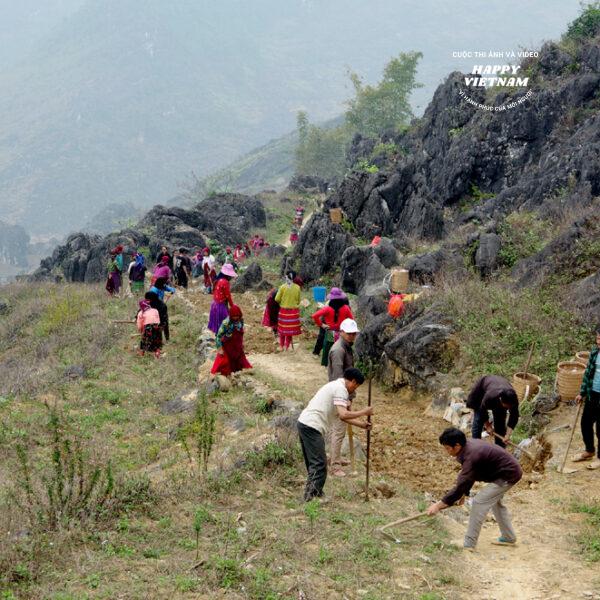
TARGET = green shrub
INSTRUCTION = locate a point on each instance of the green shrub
(62, 314)
(496, 326)
(274, 454)
(587, 24)
(366, 167)
(589, 540)
(523, 234)
(321, 151)
(375, 109)
(202, 431)
(229, 571)
(69, 488)
(386, 150)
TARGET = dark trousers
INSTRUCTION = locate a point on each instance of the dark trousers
(590, 417)
(163, 313)
(480, 416)
(315, 459)
(319, 343)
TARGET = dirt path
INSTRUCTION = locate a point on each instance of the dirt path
(286, 241)
(546, 564)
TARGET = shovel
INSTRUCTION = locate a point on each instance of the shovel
(570, 470)
(513, 445)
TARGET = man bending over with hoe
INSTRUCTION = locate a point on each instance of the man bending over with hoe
(330, 403)
(498, 395)
(480, 462)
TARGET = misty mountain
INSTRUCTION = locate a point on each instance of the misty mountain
(121, 99)
(26, 22)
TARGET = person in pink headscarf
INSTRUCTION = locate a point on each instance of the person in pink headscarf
(148, 324)
(221, 298)
(162, 270)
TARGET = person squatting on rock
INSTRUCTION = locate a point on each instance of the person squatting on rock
(494, 393)
(230, 345)
(288, 298)
(341, 358)
(480, 461)
(328, 320)
(148, 324)
(590, 395)
(329, 404)
(221, 298)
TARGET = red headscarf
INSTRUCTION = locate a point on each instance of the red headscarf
(235, 312)
(164, 260)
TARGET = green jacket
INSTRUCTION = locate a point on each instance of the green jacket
(588, 376)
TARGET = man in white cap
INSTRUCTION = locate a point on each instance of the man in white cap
(341, 357)
(328, 405)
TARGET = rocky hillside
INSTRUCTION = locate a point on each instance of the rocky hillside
(509, 197)
(224, 218)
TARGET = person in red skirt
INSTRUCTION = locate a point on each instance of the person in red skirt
(230, 345)
(288, 298)
(271, 314)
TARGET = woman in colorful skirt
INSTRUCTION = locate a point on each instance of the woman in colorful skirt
(221, 298)
(137, 273)
(113, 283)
(148, 324)
(230, 345)
(208, 270)
(328, 319)
(288, 298)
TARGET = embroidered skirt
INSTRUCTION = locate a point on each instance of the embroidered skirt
(289, 321)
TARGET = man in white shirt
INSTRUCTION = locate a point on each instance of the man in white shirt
(330, 403)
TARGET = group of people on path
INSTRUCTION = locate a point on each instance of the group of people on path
(328, 414)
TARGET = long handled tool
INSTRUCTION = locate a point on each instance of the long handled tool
(383, 528)
(368, 446)
(123, 321)
(528, 454)
(351, 446)
(526, 370)
(528, 361)
(570, 470)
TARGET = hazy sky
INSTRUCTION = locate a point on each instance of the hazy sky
(435, 27)
(105, 101)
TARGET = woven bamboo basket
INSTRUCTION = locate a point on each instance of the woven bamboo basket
(520, 383)
(335, 214)
(582, 357)
(399, 280)
(570, 376)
